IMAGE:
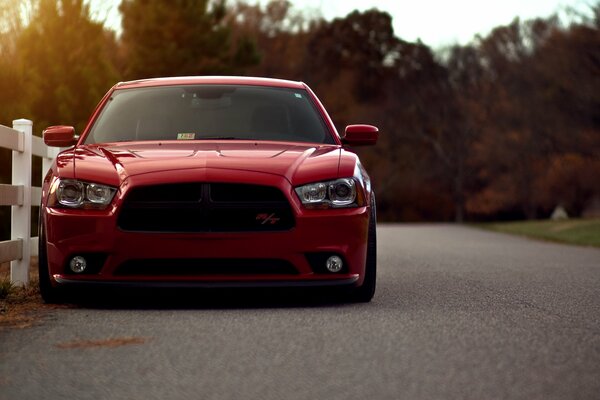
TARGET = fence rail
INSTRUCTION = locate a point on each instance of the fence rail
(21, 195)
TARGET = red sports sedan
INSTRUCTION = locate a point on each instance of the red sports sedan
(208, 182)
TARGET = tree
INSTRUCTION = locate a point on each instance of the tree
(182, 37)
(280, 33)
(12, 96)
(362, 44)
(541, 105)
(64, 57)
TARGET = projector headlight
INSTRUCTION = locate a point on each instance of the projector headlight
(72, 193)
(335, 194)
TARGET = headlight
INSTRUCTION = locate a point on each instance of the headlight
(99, 194)
(337, 193)
(70, 193)
(76, 194)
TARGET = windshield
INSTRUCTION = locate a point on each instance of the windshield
(209, 112)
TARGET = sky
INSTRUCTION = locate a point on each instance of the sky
(437, 23)
(444, 22)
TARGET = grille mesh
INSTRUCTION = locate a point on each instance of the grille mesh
(206, 207)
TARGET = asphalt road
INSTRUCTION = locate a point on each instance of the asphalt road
(459, 314)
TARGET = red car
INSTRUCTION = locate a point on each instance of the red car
(208, 182)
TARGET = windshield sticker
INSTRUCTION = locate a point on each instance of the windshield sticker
(298, 95)
(186, 136)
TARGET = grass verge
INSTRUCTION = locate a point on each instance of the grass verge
(20, 306)
(583, 232)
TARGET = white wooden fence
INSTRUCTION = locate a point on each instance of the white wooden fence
(21, 195)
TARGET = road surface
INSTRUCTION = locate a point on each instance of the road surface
(459, 314)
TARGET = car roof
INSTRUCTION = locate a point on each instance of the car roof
(211, 80)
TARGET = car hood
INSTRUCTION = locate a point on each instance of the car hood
(112, 163)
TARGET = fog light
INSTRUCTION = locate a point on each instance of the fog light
(334, 264)
(78, 264)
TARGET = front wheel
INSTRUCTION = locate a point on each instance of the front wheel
(50, 294)
(365, 292)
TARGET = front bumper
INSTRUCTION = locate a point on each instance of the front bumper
(339, 231)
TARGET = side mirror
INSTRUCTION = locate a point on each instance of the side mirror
(361, 135)
(60, 136)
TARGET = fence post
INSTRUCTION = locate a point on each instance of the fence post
(21, 215)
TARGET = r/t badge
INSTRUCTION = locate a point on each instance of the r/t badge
(265, 219)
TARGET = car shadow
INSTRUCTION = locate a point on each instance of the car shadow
(159, 299)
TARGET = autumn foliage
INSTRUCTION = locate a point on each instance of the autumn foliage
(507, 126)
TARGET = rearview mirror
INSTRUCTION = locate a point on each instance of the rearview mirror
(60, 136)
(361, 135)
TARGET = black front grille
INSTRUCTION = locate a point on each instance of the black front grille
(206, 266)
(206, 207)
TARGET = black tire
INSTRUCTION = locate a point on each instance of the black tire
(365, 292)
(50, 294)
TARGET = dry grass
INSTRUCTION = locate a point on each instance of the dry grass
(20, 306)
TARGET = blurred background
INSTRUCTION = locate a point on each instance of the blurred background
(487, 112)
